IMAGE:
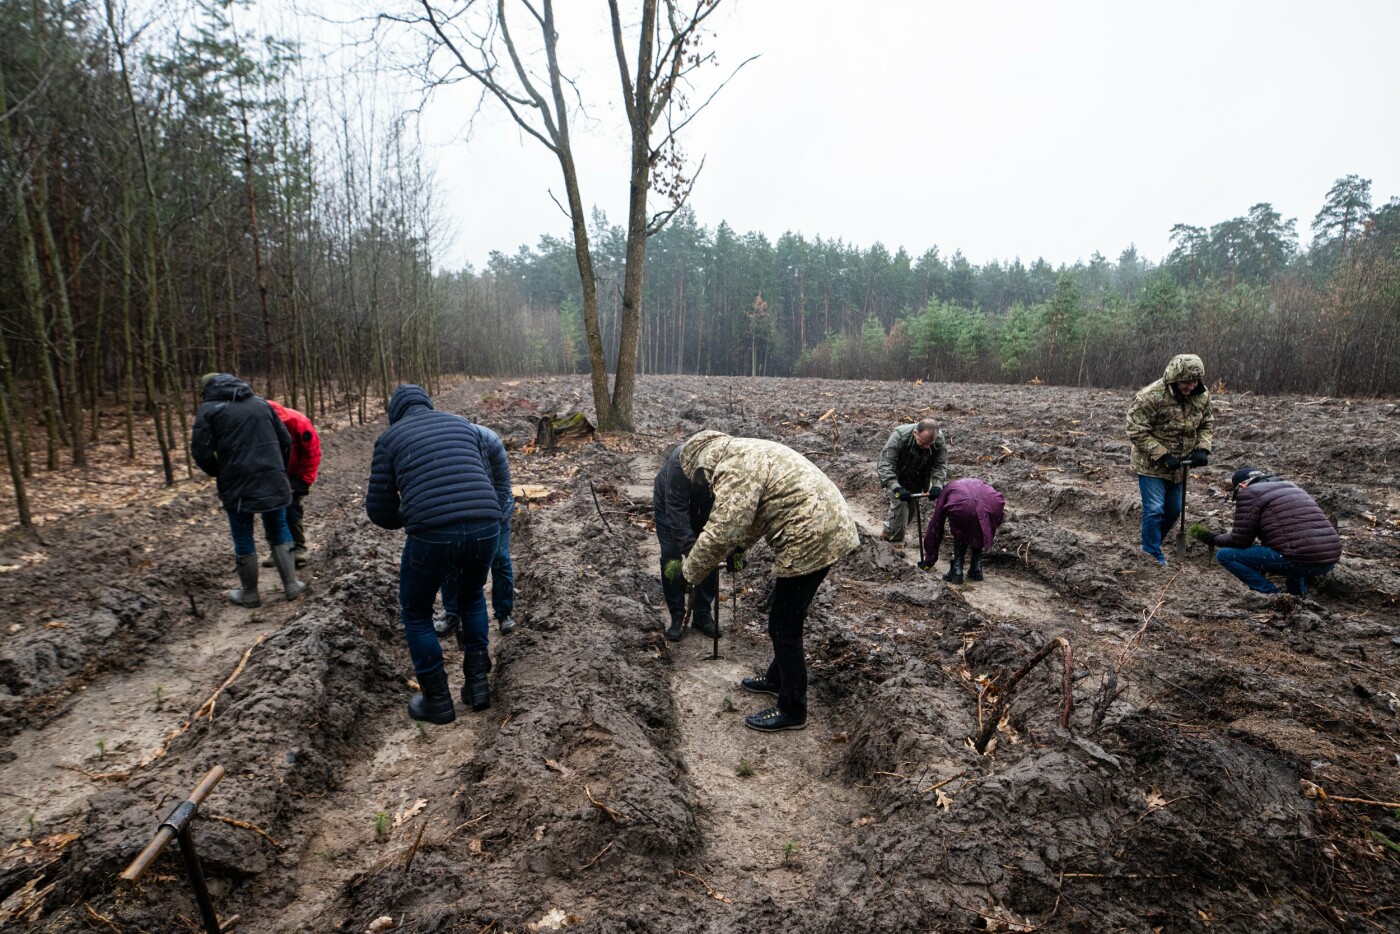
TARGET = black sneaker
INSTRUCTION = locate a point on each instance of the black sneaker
(774, 720)
(759, 686)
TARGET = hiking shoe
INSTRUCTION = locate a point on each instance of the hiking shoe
(759, 686)
(773, 720)
(505, 624)
(446, 624)
(703, 621)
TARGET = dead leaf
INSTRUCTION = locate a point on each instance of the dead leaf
(561, 769)
(383, 923)
(409, 813)
(942, 800)
(1154, 798)
(55, 624)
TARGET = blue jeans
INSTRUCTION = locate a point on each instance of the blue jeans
(274, 527)
(1249, 565)
(429, 555)
(1161, 507)
(502, 580)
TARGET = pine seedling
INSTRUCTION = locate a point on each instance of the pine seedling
(381, 825)
(102, 750)
(744, 769)
(789, 852)
(159, 693)
(32, 821)
(1197, 531)
(672, 570)
(727, 704)
(422, 730)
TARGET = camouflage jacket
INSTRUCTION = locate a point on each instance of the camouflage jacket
(763, 489)
(1162, 423)
(903, 463)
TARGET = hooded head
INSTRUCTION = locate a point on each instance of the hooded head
(407, 397)
(223, 387)
(698, 453)
(1186, 366)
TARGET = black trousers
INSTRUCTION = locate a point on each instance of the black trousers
(675, 589)
(786, 618)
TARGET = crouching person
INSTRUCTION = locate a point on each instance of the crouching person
(680, 509)
(446, 483)
(974, 511)
(763, 489)
(1296, 539)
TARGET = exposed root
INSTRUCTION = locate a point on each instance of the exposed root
(589, 864)
(616, 817)
(1111, 688)
(246, 826)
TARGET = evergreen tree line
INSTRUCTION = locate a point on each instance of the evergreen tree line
(1265, 314)
(180, 197)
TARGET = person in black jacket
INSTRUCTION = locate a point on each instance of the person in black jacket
(446, 483)
(241, 442)
(679, 509)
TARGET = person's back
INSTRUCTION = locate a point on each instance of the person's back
(239, 440)
(1285, 518)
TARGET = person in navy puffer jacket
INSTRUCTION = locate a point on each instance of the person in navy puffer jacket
(446, 483)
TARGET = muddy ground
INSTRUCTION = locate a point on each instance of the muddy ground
(613, 786)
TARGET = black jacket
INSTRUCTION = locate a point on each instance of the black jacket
(679, 507)
(432, 469)
(238, 439)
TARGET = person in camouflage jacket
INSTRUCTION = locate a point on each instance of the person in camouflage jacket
(1169, 426)
(913, 460)
(766, 490)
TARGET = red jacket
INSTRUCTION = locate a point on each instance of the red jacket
(306, 445)
(974, 512)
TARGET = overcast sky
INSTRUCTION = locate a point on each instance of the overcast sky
(1003, 129)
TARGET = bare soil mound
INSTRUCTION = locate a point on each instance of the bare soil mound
(612, 785)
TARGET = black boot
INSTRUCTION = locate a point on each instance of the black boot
(247, 592)
(287, 570)
(955, 564)
(476, 692)
(974, 568)
(674, 632)
(703, 620)
(435, 703)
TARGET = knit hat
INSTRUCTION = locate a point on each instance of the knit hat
(1241, 475)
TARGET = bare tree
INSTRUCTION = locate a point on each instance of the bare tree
(481, 47)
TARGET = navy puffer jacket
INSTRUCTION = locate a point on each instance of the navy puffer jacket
(1285, 518)
(432, 469)
(238, 439)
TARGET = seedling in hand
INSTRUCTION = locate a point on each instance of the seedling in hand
(672, 569)
(1197, 531)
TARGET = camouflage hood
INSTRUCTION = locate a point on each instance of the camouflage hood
(1185, 366)
(766, 490)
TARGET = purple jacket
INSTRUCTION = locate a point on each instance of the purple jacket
(1285, 518)
(974, 512)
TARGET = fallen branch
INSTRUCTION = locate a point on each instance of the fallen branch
(939, 785)
(242, 662)
(413, 850)
(1003, 701)
(589, 864)
(719, 896)
(1313, 790)
(1111, 691)
(613, 815)
(598, 507)
(467, 824)
(246, 826)
(97, 776)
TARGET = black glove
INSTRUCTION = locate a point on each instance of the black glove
(736, 561)
(901, 494)
(933, 492)
(1198, 458)
(1169, 461)
(300, 488)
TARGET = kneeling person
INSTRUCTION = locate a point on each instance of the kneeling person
(1296, 539)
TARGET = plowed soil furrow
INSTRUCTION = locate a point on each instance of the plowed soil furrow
(612, 784)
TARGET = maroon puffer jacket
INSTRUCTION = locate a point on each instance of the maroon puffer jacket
(1285, 518)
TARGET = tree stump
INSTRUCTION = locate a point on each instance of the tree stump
(552, 430)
